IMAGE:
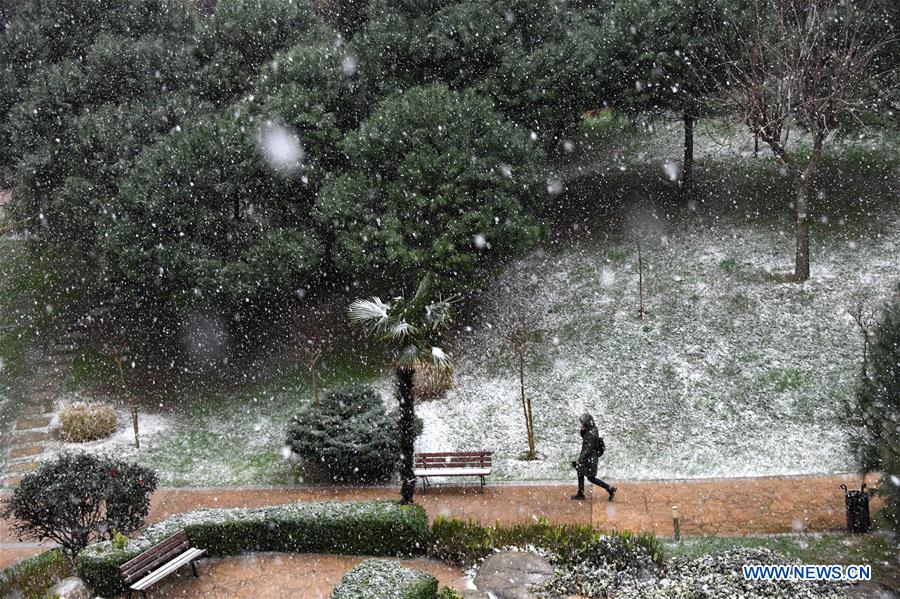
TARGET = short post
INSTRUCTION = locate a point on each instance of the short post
(676, 522)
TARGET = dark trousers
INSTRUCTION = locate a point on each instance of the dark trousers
(594, 480)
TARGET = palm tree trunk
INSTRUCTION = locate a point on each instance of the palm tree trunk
(407, 432)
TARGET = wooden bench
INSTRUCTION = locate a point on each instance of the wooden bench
(148, 568)
(452, 463)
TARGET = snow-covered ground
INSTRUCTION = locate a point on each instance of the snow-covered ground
(731, 373)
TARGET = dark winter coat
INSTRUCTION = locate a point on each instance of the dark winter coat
(587, 459)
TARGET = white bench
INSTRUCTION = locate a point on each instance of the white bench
(452, 463)
(151, 566)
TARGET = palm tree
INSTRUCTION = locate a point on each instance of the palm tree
(413, 330)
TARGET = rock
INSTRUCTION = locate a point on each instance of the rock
(70, 588)
(509, 574)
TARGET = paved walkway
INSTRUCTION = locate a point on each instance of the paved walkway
(733, 506)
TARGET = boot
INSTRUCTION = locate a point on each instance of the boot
(612, 492)
(577, 497)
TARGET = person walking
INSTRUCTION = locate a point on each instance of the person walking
(592, 448)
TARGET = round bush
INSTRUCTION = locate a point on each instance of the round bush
(349, 434)
(82, 421)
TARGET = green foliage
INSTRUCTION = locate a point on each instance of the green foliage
(875, 411)
(42, 33)
(385, 579)
(352, 528)
(204, 221)
(79, 125)
(31, 578)
(465, 541)
(79, 497)
(439, 183)
(659, 55)
(349, 434)
(241, 35)
(448, 593)
(535, 59)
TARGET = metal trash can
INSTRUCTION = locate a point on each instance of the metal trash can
(857, 506)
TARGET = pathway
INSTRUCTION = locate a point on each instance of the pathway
(734, 506)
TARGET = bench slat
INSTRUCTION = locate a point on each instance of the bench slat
(154, 560)
(157, 575)
(453, 472)
(144, 561)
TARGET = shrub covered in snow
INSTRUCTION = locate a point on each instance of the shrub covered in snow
(439, 183)
(77, 498)
(368, 528)
(385, 579)
(875, 413)
(719, 576)
(85, 421)
(349, 434)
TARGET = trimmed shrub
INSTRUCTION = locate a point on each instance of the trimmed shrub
(33, 577)
(463, 542)
(439, 184)
(875, 411)
(350, 434)
(85, 421)
(77, 498)
(385, 579)
(368, 528)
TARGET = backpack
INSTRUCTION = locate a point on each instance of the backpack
(601, 446)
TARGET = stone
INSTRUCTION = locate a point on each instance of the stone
(33, 422)
(32, 436)
(509, 574)
(70, 588)
(25, 451)
(21, 467)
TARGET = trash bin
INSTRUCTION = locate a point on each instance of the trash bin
(857, 506)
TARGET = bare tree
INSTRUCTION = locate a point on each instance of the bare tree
(129, 399)
(813, 63)
(311, 350)
(517, 318)
(865, 319)
(640, 279)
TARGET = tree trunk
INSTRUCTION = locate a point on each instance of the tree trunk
(407, 432)
(134, 425)
(640, 280)
(526, 407)
(802, 186)
(687, 171)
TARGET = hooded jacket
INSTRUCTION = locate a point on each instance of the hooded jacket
(590, 438)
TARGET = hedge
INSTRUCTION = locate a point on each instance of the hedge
(370, 528)
(385, 579)
(32, 577)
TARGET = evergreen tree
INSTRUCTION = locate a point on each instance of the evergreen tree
(659, 56)
(436, 182)
(242, 35)
(535, 59)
